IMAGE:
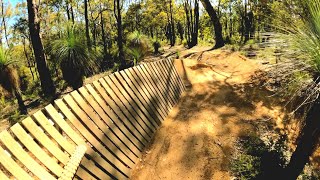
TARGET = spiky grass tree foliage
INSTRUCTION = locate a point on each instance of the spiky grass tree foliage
(9, 78)
(138, 46)
(73, 56)
(300, 75)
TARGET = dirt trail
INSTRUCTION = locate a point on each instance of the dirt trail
(196, 141)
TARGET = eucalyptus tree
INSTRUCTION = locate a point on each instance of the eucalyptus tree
(118, 5)
(191, 8)
(34, 29)
(216, 23)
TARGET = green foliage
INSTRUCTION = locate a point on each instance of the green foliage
(73, 56)
(138, 46)
(246, 166)
(256, 158)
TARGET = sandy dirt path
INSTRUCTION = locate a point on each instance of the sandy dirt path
(196, 141)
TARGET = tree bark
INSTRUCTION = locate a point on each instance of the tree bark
(117, 12)
(192, 22)
(4, 23)
(87, 23)
(216, 23)
(173, 34)
(307, 144)
(34, 28)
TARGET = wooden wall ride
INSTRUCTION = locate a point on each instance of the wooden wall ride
(114, 118)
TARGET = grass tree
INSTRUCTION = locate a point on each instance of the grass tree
(72, 54)
(307, 41)
(138, 46)
(301, 76)
(9, 78)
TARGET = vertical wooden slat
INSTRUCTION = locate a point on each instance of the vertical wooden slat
(131, 122)
(79, 141)
(114, 123)
(121, 120)
(3, 176)
(36, 150)
(170, 63)
(44, 140)
(110, 131)
(169, 77)
(159, 78)
(89, 136)
(53, 132)
(158, 87)
(139, 84)
(137, 105)
(9, 164)
(151, 89)
(141, 97)
(131, 106)
(183, 87)
(96, 142)
(24, 157)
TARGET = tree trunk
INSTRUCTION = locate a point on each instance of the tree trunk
(67, 10)
(4, 23)
(117, 12)
(87, 23)
(307, 144)
(173, 34)
(216, 23)
(192, 19)
(27, 57)
(34, 28)
(72, 13)
(22, 107)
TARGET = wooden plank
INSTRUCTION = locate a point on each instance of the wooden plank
(9, 164)
(36, 150)
(131, 106)
(133, 135)
(45, 140)
(140, 96)
(139, 84)
(56, 117)
(90, 138)
(53, 132)
(178, 78)
(183, 87)
(110, 131)
(3, 176)
(165, 93)
(150, 88)
(79, 141)
(24, 157)
(156, 75)
(109, 148)
(137, 105)
(159, 80)
(168, 65)
(113, 123)
(143, 90)
(170, 79)
(134, 125)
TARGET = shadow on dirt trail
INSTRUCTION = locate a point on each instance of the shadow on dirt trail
(196, 141)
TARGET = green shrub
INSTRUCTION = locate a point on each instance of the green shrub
(138, 46)
(245, 166)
